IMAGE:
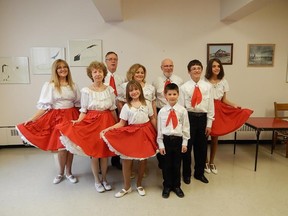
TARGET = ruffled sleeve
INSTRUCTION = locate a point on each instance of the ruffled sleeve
(84, 99)
(45, 101)
(77, 102)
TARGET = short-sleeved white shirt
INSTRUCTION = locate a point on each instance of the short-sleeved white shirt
(136, 115)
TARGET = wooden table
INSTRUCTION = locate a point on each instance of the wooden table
(260, 124)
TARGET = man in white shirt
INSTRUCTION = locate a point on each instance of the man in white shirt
(114, 80)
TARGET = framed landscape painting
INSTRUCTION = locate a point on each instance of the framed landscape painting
(222, 51)
(261, 55)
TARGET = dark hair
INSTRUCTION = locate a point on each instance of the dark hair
(209, 72)
(110, 52)
(194, 62)
(134, 85)
(171, 86)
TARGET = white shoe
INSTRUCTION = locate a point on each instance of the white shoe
(57, 179)
(72, 179)
(99, 187)
(106, 186)
(213, 168)
(123, 192)
(141, 191)
(207, 168)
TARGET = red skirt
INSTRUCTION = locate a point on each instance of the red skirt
(83, 138)
(133, 142)
(228, 118)
(42, 133)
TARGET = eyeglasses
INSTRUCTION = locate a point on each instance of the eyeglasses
(112, 59)
(166, 66)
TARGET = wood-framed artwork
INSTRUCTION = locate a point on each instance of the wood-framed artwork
(83, 52)
(14, 70)
(42, 58)
(287, 72)
(222, 51)
(260, 55)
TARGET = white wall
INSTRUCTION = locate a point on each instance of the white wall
(151, 31)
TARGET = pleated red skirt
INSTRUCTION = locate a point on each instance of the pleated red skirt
(42, 133)
(133, 142)
(83, 138)
(228, 118)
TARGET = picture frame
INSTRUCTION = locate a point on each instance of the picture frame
(14, 70)
(287, 72)
(42, 58)
(260, 55)
(222, 51)
(83, 52)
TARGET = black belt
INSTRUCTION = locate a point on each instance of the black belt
(197, 114)
(171, 137)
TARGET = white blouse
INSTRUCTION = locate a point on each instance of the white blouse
(50, 98)
(218, 89)
(136, 115)
(92, 100)
(148, 91)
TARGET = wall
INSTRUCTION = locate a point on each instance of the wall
(151, 31)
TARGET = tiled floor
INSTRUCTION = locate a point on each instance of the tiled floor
(26, 187)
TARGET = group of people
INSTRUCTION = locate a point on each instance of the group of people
(134, 120)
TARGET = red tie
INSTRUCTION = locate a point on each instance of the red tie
(172, 117)
(197, 96)
(167, 82)
(112, 84)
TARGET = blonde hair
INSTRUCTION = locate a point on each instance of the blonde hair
(55, 77)
(134, 85)
(98, 66)
(132, 71)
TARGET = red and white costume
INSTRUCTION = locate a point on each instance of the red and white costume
(137, 140)
(41, 133)
(227, 118)
(83, 138)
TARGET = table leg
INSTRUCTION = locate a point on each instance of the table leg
(257, 146)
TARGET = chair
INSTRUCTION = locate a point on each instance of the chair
(281, 111)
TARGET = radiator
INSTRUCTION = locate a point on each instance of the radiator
(9, 136)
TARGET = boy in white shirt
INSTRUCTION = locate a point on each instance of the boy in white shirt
(173, 134)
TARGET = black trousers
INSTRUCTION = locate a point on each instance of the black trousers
(115, 160)
(198, 140)
(172, 161)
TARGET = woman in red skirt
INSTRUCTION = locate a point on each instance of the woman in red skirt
(57, 103)
(82, 136)
(228, 116)
(134, 136)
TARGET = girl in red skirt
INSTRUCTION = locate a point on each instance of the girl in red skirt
(97, 112)
(57, 103)
(137, 141)
(228, 116)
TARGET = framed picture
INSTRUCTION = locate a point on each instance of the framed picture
(222, 51)
(83, 52)
(14, 70)
(42, 58)
(261, 55)
(287, 72)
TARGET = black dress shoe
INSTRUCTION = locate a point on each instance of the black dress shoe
(202, 179)
(166, 192)
(187, 180)
(178, 192)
